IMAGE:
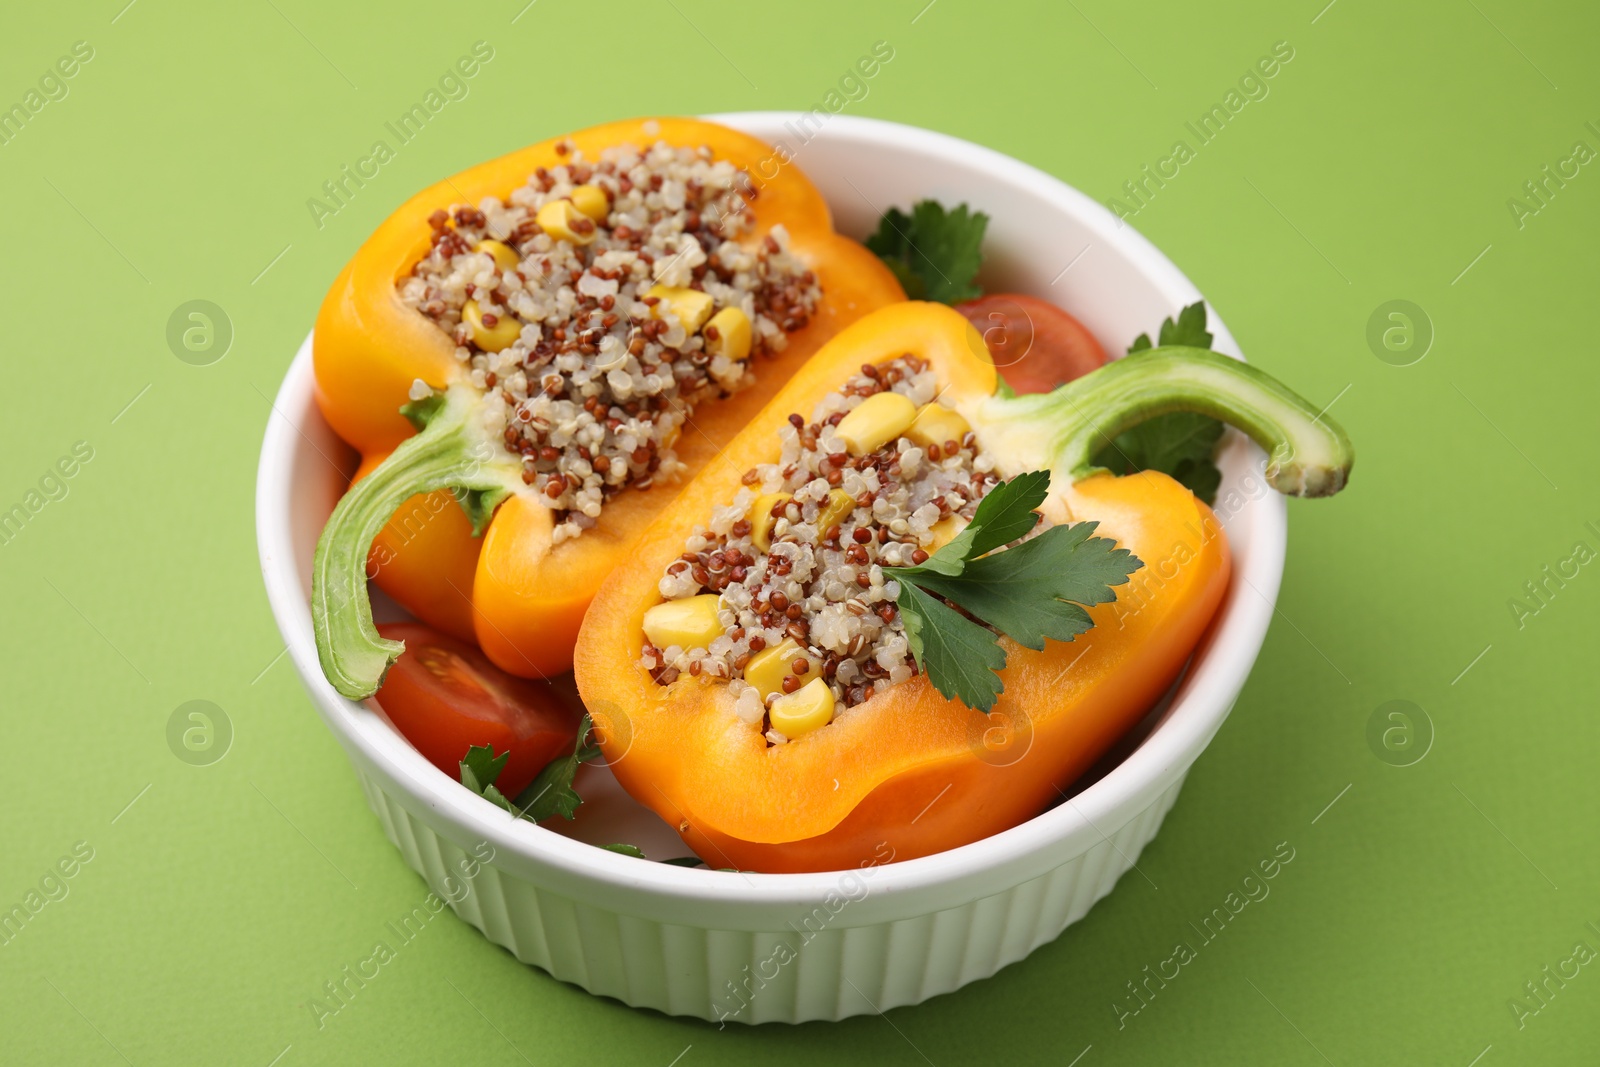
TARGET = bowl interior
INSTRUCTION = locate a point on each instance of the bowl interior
(1044, 239)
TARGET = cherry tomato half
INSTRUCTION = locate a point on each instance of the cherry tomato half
(1035, 345)
(445, 696)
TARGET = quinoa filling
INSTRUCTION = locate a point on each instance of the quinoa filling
(796, 559)
(598, 304)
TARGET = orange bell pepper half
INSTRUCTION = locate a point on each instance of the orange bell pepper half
(909, 772)
(513, 590)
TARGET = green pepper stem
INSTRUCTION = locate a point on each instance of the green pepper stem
(452, 452)
(1308, 453)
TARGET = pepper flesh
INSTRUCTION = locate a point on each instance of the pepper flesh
(527, 596)
(909, 768)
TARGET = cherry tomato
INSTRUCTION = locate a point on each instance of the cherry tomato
(1035, 345)
(445, 696)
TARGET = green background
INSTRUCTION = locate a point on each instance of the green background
(1378, 168)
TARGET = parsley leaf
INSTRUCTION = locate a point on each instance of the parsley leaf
(933, 252)
(1034, 590)
(1031, 592)
(1190, 329)
(959, 656)
(479, 768)
(551, 791)
(1180, 444)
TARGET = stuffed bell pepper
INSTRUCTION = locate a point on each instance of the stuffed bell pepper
(533, 355)
(806, 657)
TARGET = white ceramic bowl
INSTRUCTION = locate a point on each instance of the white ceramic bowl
(795, 947)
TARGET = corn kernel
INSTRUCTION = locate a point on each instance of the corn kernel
(592, 201)
(876, 421)
(733, 334)
(767, 669)
(840, 504)
(688, 623)
(806, 709)
(761, 520)
(502, 334)
(935, 424)
(561, 220)
(691, 306)
(505, 257)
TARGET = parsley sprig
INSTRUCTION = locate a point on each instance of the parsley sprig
(1182, 443)
(933, 252)
(1031, 592)
(550, 792)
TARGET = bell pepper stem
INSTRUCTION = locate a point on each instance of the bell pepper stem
(451, 452)
(1308, 454)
